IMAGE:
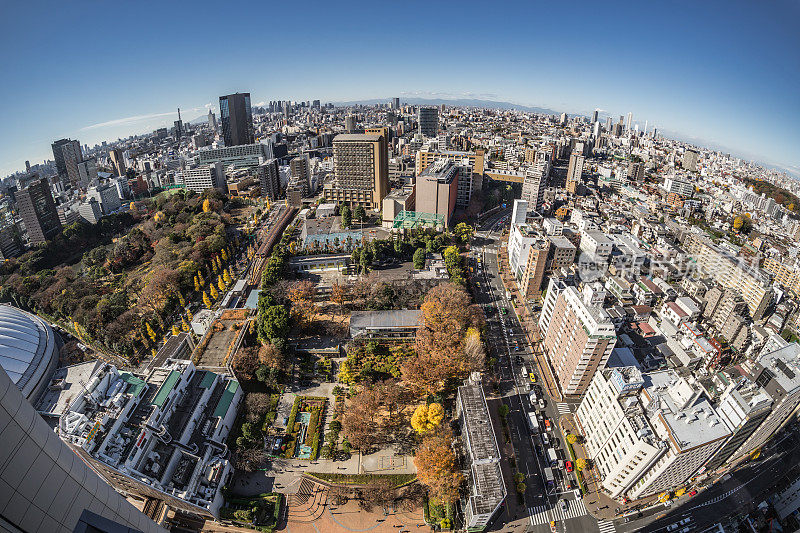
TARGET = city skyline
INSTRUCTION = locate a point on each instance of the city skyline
(697, 82)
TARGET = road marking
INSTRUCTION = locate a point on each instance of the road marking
(543, 514)
(539, 515)
(563, 408)
(606, 526)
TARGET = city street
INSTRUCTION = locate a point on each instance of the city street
(513, 352)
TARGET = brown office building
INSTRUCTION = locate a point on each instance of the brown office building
(38, 211)
(437, 189)
(361, 168)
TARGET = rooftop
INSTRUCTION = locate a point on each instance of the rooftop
(686, 416)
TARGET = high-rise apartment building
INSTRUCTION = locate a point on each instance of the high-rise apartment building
(535, 181)
(299, 169)
(38, 211)
(237, 119)
(731, 273)
(428, 121)
(361, 169)
(117, 161)
(578, 339)
(350, 124)
(574, 172)
(270, 179)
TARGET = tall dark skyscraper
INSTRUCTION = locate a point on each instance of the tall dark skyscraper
(67, 154)
(237, 119)
(38, 211)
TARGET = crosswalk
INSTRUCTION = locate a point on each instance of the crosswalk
(563, 408)
(606, 526)
(542, 514)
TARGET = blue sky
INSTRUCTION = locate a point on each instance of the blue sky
(724, 72)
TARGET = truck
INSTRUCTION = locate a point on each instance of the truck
(551, 455)
(548, 476)
(524, 371)
(533, 423)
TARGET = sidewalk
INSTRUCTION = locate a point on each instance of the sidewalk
(597, 503)
(529, 324)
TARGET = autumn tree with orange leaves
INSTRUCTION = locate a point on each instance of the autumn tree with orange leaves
(445, 344)
(301, 295)
(436, 466)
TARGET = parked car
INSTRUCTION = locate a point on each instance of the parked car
(563, 505)
(541, 403)
(568, 466)
(693, 493)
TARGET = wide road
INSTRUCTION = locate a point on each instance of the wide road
(509, 345)
(743, 490)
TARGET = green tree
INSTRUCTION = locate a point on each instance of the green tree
(463, 232)
(273, 321)
(347, 216)
(274, 270)
(419, 258)
(358, 213)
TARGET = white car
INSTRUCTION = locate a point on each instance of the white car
(563, 505)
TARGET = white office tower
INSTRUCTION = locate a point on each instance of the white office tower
(777, 370)
(629, 122)
(647, 434)
(44, 486)
(683, 418)
(205, 177)
(618, 436)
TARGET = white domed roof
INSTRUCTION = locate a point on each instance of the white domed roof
(27, 349)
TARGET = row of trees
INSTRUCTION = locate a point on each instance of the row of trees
(107, 286)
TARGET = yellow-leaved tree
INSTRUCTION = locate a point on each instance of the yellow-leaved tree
(427, 417)
(206, 205)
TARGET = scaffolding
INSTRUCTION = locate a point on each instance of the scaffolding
(416, 219)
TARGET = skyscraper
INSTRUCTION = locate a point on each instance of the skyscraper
(237, 119)
(630, 121)
(361, 167)
(395, 103)
(67, 154)
(118, 161)
(212, 120)
(38, 211)
(428, 118)
(350, 124)
(269, 175)
(595, 115)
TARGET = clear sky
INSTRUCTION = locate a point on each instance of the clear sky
(725, 72)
